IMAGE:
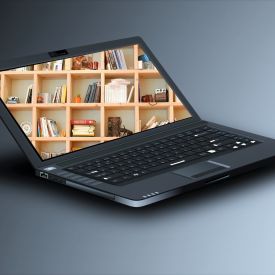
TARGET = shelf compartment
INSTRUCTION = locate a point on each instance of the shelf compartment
(81, 82)
(24, 115)
(95, 57)
(161, 114)
(127, 77)
(16, 85)
(59, 115)
(53, 147)
(88, 113)
(77, 145)
(47, 83)
(128, 55)
(147, 86)
(127, 117)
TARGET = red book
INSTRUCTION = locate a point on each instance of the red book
(83, 122)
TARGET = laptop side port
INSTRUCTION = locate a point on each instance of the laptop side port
(44, 175)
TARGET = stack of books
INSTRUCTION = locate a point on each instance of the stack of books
(83, 127)
(47, 128)
(93, 93)
(116, 91)
(115, 60)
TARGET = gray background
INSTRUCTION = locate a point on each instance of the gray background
(222, 55)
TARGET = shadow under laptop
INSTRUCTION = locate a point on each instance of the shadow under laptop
(18, 173)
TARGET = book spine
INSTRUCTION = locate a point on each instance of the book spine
(63, 93)
(86, 100)
(97, 94)
(112, 60)
(123, 59)
(92, 93)
(115, 58)
(83, 122)
(118, 59)
(50, 128)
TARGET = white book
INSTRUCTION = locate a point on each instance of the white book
(130, 94)
(44, 127)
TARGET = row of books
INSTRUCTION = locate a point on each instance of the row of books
(59, 96)
(83, 127)
(117, 91)
(93, 93)
(47, 127)
(115, 60)
(24, 69)
(56, 65)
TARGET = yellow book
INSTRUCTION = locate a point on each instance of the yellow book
(63, 93)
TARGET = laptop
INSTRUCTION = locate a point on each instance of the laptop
(107, 119)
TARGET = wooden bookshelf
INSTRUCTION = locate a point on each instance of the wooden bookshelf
(133, 114)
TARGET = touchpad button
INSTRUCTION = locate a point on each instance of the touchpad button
(199, 170)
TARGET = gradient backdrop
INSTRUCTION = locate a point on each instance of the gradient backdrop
(222, 56)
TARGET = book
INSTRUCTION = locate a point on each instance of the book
(92, 94)
(47, 127)
(63, 93)
(97, 94)
(116, 91)
(86, 100)
(83, 122)
(28, 98)
(130, 94)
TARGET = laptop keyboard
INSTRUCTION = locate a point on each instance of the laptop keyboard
(181, 148)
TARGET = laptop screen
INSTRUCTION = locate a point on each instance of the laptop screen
(69, 104)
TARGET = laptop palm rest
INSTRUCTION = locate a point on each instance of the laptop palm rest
(200, 169)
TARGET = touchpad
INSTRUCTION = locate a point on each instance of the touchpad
(199, 170)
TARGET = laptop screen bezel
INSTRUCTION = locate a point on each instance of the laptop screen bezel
(26, 145)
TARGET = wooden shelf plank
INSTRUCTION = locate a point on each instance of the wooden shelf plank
(149, 74)
(85, 139)
(19, 75)
(119, 105)
(84, 105)
(44, 139)
(153, 105)
(19, 106)
(51, 105)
